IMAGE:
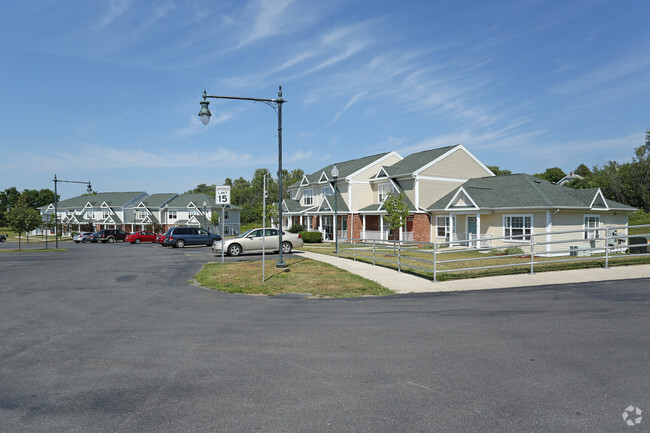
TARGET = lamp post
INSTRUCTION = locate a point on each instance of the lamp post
(276, 104)
(89, 190)
(335, 175)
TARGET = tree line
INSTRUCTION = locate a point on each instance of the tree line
(627, 183)
(249, 194)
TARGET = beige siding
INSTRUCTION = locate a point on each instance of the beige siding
(408, 187)
(433, 190)
(374, 169)
(457, 165)
(492, 227)
(363, 195)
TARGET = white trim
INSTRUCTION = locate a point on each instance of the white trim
(320, 180)
(456, 197)
(443, 179)
(596, 234)
(508, 238)
(446, 154)
(383, 158)
(304, 180)
(313, 200)
(599, 193)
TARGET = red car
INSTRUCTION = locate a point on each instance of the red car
(142, 236)
(160, 239)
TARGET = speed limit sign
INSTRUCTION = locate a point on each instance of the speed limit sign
(223, 194)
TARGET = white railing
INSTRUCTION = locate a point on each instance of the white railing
(536, 250)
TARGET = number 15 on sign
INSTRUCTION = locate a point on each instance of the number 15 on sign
(223, 195)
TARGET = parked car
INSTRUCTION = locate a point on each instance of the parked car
(3, 238)
(160, 239)
(82, 237)
(252, 241)
(178, 237)
(141, 236)
(108, 235)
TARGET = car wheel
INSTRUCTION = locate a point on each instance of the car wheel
(180, 243)
(234, 250)
(76, 242)
(137, 241)
(111, 240)
(286, 247)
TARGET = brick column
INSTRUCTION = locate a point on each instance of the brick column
(354, 229)
(421, 228)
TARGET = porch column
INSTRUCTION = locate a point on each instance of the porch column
(381, 227)
(549, 227)
(363, 232)
(451, 229)
(478, 230)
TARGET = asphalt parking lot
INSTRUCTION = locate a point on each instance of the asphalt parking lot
(112, 337)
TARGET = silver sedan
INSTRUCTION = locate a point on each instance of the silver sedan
(258, 239)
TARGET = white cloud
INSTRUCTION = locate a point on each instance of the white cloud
(353, 100)
(116, 9)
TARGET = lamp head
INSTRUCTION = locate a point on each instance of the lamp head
(89, 190)
(204, 112)
(335, 171)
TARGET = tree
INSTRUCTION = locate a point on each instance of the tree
(554, 174)
(497, 171)
(396, 211)
(214, 220)
(583, 170)
(203, 189)
(22, 218)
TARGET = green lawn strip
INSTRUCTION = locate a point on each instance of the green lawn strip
(33, 250)
(301, 275)
(513, 264)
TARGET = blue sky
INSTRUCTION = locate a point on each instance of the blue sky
(109, 91)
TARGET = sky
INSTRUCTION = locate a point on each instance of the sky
(108, 91)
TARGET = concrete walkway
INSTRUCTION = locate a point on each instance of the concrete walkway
(401, 282)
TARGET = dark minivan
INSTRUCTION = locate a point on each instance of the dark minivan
(178, 237)
(108, 235)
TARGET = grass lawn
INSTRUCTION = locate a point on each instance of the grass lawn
(301, 275)
(422, 258)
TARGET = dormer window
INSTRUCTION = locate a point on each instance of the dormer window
(308, 197)
(328, 190)
(384, 189)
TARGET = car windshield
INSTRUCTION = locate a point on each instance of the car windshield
(246, 233)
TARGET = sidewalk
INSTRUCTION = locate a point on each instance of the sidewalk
(401, 282)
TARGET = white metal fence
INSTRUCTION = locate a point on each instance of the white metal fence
(434, 258)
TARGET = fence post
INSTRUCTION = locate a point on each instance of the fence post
(373, 252)
(399, 256)
(606, 248)
(435, 268)
(354, 245)
(532, 252)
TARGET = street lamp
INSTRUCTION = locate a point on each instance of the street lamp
(335, 175)
(276, 104)
(89, 190)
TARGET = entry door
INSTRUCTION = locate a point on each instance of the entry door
(471, 229)
(328, 226)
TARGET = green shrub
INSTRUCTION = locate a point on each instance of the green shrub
(497, 252)
(296, 228)
(510, 251)
(311, 237)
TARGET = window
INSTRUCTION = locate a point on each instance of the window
(90, 214)
(226, 215)
(141, 214)
(443, 227)
(517, 227)
(226, 230)
(308, 197)
(384, 189)
(105, 213)
(328, 190)
(193, 212)
(592, 222)
(172, 214)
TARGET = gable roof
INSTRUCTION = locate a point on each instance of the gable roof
(415, 161)
(158, 199)
(108, 199)
(346, 168)
(191, 200)
(523, 191)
